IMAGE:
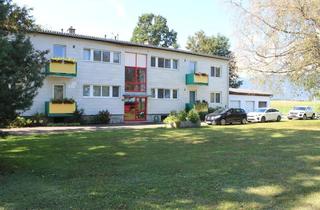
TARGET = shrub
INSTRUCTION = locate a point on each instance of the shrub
(193, 116)
(201, 106)
(39, 119)
(171, 119)
(20, 122)
(202, 115)
(103, 117)
(182, 116)
(76, 117)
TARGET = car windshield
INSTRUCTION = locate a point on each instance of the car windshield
(299, 108)
(261, 110)
(220, 111)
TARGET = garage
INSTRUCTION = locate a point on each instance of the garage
(248, 100)
(249, 106)
(234, 104)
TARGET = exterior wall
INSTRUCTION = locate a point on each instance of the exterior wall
(91, 72)
(244, 98)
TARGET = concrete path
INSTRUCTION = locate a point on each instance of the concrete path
(61, 129)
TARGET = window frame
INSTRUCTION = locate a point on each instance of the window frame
(91, 91)
(215, 98)
(65, 50)
(171, 90)
(165, 59)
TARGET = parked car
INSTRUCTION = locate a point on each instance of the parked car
(264, 114)
(227, 116)
(301, 112)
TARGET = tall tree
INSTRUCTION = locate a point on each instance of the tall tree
(20, 64)
(215, 45)
(281, 41)
(153, 29)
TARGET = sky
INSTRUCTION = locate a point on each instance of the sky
(111, 17)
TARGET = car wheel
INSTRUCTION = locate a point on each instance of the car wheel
(289, 118)
(313, 116)
(223, 122)
(244, 121)
(304, 117)
(263, 119)
(278, 118)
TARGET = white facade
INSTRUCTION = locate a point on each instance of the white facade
(248, 100)
(113, 74)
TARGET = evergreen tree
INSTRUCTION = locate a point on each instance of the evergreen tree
(20, 64)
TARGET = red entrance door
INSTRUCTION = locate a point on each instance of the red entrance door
(135, 108)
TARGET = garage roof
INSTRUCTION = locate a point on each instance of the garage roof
(247, 92)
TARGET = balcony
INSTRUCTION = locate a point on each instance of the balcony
(60, 109)
(62, 67)
(197, 79)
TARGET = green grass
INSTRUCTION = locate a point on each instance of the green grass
(255, 166)
(286, 106)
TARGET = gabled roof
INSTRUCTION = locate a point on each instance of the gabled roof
(123, 43)
(236, 91)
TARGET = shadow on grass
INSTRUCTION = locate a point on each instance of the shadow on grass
(213, 167)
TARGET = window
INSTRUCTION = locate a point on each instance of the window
(101, 91)
(160, 93)
(161, 62)
(215, 97)
(135, 79)
(167, 93)
(86, 90)
(105, 91)
(115, 91)
(116, 57)
(59, 51)
(87, 54)
(96, 90)
(218, 98)
(175, 64)
(175, 94)
(167, 63)
(153, 93)
(153, 61)
(262, 104)
(192, 66)
(106, 56)
(58, 92)
(164, 63)
(215, 71)
(218, 72)
(97, 55)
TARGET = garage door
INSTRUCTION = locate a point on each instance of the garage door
(234, 104)
(249, 106)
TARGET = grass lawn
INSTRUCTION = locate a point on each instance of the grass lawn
(254, 166)
(286, 106)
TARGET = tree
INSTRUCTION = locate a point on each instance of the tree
(281, 41)
(215, 45)
(20, 64)
(152, 29)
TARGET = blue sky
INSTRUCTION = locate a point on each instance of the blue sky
(100, 17)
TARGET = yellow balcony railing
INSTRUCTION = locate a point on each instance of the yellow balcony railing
(62, 67)
(60, 109)
(197, 79)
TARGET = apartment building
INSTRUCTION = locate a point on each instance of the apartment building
(134, 82)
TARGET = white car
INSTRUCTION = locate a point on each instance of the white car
(301, 112)
(264, 114)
